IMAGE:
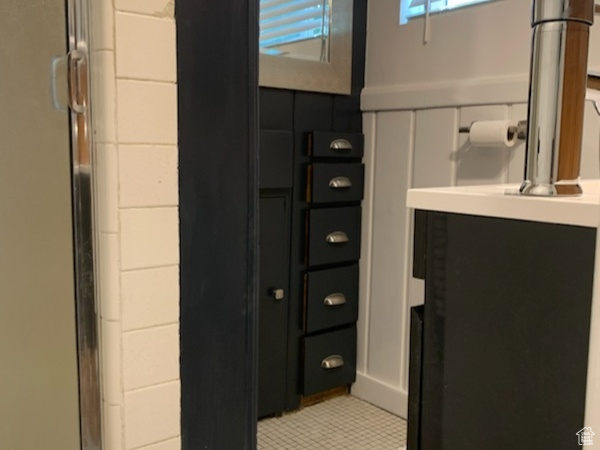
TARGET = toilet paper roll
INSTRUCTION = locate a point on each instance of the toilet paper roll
(493, 133)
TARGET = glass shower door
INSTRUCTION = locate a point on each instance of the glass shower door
(41, 362)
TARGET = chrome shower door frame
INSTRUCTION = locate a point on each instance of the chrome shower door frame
(83, 223)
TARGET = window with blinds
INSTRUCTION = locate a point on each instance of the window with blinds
(414, 8)
(287, 21)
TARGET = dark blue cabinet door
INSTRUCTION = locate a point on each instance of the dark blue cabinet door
(273, 303)
(506, 333)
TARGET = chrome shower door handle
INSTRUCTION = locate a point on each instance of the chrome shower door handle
(337, 237)
(77, 80)
(340, 144)
(340, 183)
(54, 65)
(332, 362)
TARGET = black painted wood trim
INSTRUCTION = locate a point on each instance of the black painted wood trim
(359, 47)
(217, 44)
(419, 244)
(415, 380)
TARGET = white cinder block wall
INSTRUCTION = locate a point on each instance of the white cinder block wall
(416, 97)
(135, 128)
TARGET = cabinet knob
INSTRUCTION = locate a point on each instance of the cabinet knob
(278, 294)
(340, 183)
(336, 299)
(337, 237)
(332, 362)
(340, 144)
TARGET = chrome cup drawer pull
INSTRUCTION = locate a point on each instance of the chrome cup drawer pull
(337, 237)
(340, 144)
(332, 362)
(340, 183)
(336, 299)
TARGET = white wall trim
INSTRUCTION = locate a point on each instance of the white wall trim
(505, 90)
(364, 297)
(383, 395)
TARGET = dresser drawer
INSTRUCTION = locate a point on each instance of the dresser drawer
(333, 235)
(330, 144)
(329, 360)
(328, 183)
(331, 298)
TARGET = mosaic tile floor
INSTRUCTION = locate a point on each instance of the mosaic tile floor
(342, 423)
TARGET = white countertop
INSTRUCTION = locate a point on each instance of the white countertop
(504, 201)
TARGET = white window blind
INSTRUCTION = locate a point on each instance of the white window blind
(287, 21)
(414, 8)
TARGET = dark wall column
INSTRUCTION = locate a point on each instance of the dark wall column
(217, 76)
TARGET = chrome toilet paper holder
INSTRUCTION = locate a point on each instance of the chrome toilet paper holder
(520, 129)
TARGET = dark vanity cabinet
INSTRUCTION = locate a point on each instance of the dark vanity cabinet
(334, 190)
(499, 353)
(316, 137)
(311, 187)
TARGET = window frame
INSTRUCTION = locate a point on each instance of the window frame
(437, 6)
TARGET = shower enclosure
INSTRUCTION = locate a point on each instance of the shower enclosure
(49, 390)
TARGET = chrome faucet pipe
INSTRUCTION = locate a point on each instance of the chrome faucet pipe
(557, 85)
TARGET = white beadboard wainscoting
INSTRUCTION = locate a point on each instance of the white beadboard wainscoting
(416, 143)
